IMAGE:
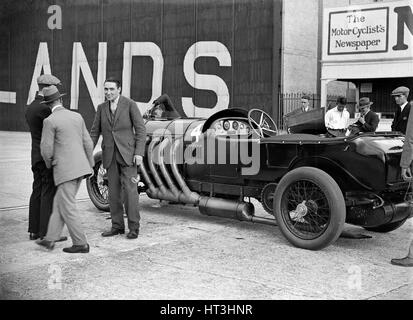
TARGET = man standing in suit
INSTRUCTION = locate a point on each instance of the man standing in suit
(368, 120)
(305, 104)
(124, 135)
(67, 147)
(406, 173)
(400, 95)
(43, 190)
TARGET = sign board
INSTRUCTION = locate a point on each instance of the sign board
(373, 31)
(362, 31)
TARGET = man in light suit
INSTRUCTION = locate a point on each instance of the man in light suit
(67, 147)
(406, 172)
(123, 146)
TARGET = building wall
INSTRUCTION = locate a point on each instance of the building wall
(239, 67)
(300, 46)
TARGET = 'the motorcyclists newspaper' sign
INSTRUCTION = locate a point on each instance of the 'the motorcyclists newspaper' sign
(358, 31)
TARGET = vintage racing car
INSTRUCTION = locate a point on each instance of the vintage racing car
(311, 184)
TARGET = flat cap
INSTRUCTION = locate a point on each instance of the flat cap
(400, 90)
(48, 79)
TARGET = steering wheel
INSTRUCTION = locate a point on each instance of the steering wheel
(264, 124)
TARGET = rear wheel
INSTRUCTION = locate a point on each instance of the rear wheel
(97, 187)
(387, 227)
(309, 207)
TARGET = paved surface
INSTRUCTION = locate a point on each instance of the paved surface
(181, 254)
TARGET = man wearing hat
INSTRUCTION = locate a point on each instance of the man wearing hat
(406, 173)
(368, 120)
(43, 189)
(67, 148)
(400, 95)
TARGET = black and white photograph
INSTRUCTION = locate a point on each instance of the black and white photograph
(206, 156)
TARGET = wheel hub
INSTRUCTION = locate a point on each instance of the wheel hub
(300, 212)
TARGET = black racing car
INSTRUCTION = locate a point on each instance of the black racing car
(310, 183)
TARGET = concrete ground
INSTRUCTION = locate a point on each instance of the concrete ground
(181, 254)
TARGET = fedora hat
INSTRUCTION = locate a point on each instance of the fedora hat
(51, 94)
(48, 79)
(364, 102)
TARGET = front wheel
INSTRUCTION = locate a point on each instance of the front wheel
(309, 207)
(97, 187)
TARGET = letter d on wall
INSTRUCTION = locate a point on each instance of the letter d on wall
(206, 82)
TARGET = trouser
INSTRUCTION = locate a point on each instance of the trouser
(336, 132)
(65, 212)
(123, 193)
(41, 199)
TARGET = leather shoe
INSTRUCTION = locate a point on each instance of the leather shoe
(403, 262)
(77, 249)
(49, 245)
(34, 236)
(113, 232)
(133, 234)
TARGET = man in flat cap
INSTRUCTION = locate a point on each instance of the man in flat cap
(368, 120)
(67, 148)
(43, 189)
(406, 173)
(400, 95)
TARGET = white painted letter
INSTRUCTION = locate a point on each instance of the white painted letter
(150, 49)
(79, 63)
(206, 82)
(42, 62)
(54, 21)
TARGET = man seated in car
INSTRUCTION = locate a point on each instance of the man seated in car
(163, 107)
(336, 119)
(367, 121)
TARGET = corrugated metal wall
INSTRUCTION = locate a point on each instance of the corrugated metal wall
(250, 30)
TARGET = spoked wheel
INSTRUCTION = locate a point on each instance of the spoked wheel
(309, 207)
(97, 187)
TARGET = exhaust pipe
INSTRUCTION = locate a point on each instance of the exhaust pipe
(148, 181)
(164, 171)
(163, 193)
(188, 195)
(242, 211)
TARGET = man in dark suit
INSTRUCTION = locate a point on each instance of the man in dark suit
(400, 95)
(43, 190)
(123, 146)
(67, 148)
(406, 173)
(368, 120)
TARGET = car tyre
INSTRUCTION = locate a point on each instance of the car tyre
(98, 192)
(309, 208)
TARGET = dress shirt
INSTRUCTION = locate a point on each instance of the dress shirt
(114, 105)
(402, 106)
(337, 120)
(56, 106)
